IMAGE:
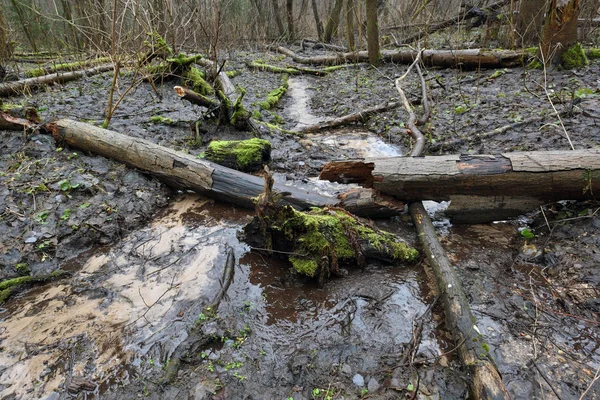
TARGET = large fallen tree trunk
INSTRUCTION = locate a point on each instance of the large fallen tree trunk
(18, 87)
(470, 58)
(545, 175)
(184, 171)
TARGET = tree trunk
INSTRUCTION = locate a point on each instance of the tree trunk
(18, 87)
(183, 171)
(350, 24)
(25, 25)
(277, 16)
(470, 58)
(544, 175)
(560, 29)
(333, 21)
(372, 32)
(289, 8)
(317, 20)
(5, 46)
(529, 22)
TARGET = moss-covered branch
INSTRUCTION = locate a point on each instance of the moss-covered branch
(260, 66)
(274, 96)
(11, 286)
(72, 66)
(243, 155)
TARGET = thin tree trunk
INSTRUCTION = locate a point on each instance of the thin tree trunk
(317, 20)
(5, 48)
(350, 24)
(25, 25)
(372, 32)
(560, 29)
(289, 8)
(277, 17)
(333, 21)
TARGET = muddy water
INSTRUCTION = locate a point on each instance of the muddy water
(128, 307)
(298, 106)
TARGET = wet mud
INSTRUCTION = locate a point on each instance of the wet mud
(146, 262)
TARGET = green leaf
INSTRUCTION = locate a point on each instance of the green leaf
(527, 234)
(410, 387)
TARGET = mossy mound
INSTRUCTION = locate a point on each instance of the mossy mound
(322, 239)
(243, 155)
(574, 57)
(274, 96)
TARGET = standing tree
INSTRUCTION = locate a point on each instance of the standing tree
(289, 7)
(350, 24)
(529, 22)
(333, 21)
(560, 29)
(372, 32)
(277, 17)
(317, 20)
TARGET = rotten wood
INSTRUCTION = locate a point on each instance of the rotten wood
(19, 119)
(544, 175)
(184, 171)
(21, 86)
(468, 58)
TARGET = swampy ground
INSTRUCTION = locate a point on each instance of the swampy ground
(130, 321)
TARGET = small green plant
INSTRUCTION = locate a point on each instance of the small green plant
(461, 109)
(364, 392)
(23, 269)
(66, 214)
(84, 206)
(240, 377)
(233, 365)
(42, 217)
(157, 119)
(65, 185)
(527, 234)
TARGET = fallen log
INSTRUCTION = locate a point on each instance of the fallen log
(242, 155)
(65, 67)
(18, 87)
(545, 175)
(196, 98)
(359, 116)
(486, 382)
(183, 171)
(468, 58)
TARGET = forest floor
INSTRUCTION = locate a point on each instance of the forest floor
(144, 261)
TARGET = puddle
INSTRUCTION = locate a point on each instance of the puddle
(357, 144)
(298, 106)
(127, 305)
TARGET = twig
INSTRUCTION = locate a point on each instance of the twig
(596, 377)
(546, 379)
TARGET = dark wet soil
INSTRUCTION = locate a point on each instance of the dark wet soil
(131, 321)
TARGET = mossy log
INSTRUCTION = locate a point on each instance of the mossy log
(11, 286)
(275, 95)
(22, 86)
(65, 66)
(257, 65)
(319, 241)
(468, 58)
(242, 155)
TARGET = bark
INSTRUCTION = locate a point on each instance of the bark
(372, 33)
(472, 349)
(317, 20)
(469, 58)
(19, 119)
(5, 46)
(183, 171)
(560, 29)
(333, 21)
(25, 25)
(544, 175)
(18, 87)
(529, 22)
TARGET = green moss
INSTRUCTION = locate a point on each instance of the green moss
(158, 44)
(23, 269)
(233, 74)
(531, 51)
(157, 119)
(304, 266)
(9, 106)
(194, 77)
(9, 286)
(485, 347)
(240, 115)
(256, 115)
(158, 69)
(73, 66)
(326, 233)
(535, 64)
(274, 96)
(271, 68)
(574, 57)
(183, 60)
(245, 152)
(593, 54)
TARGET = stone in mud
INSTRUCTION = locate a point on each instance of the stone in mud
(373, 385)
(358, 380)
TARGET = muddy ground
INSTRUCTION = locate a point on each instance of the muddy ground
(130, 321)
